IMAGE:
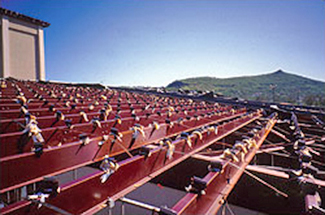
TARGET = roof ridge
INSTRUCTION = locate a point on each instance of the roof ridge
(13, 14)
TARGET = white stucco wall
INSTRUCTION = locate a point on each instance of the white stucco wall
(23, 56)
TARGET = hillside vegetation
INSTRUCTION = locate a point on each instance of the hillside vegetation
(288, 87)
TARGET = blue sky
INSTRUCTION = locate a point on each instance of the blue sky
(152, 43)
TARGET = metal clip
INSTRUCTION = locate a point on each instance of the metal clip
(83, 116)
(197, 186)
(213, 129)
(118, 119)
(170, 147)
(23, 109)
(137, 128)
(59, 116)
(185, 136)
(134, 116)
(117, 135)
(96, 123)
(84, 139)
(250, 142)
(215, 166)
(109, 166)
(229, 154)
(34, 131)
(48, 188)
(21, 99)
(145, 151)
(198, 133)
(242, 149)
(105, 138)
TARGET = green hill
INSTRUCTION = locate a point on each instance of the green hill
(289, 87)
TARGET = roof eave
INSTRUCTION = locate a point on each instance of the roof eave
(23, 17)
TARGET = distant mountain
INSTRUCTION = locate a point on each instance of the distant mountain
(287, 87)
